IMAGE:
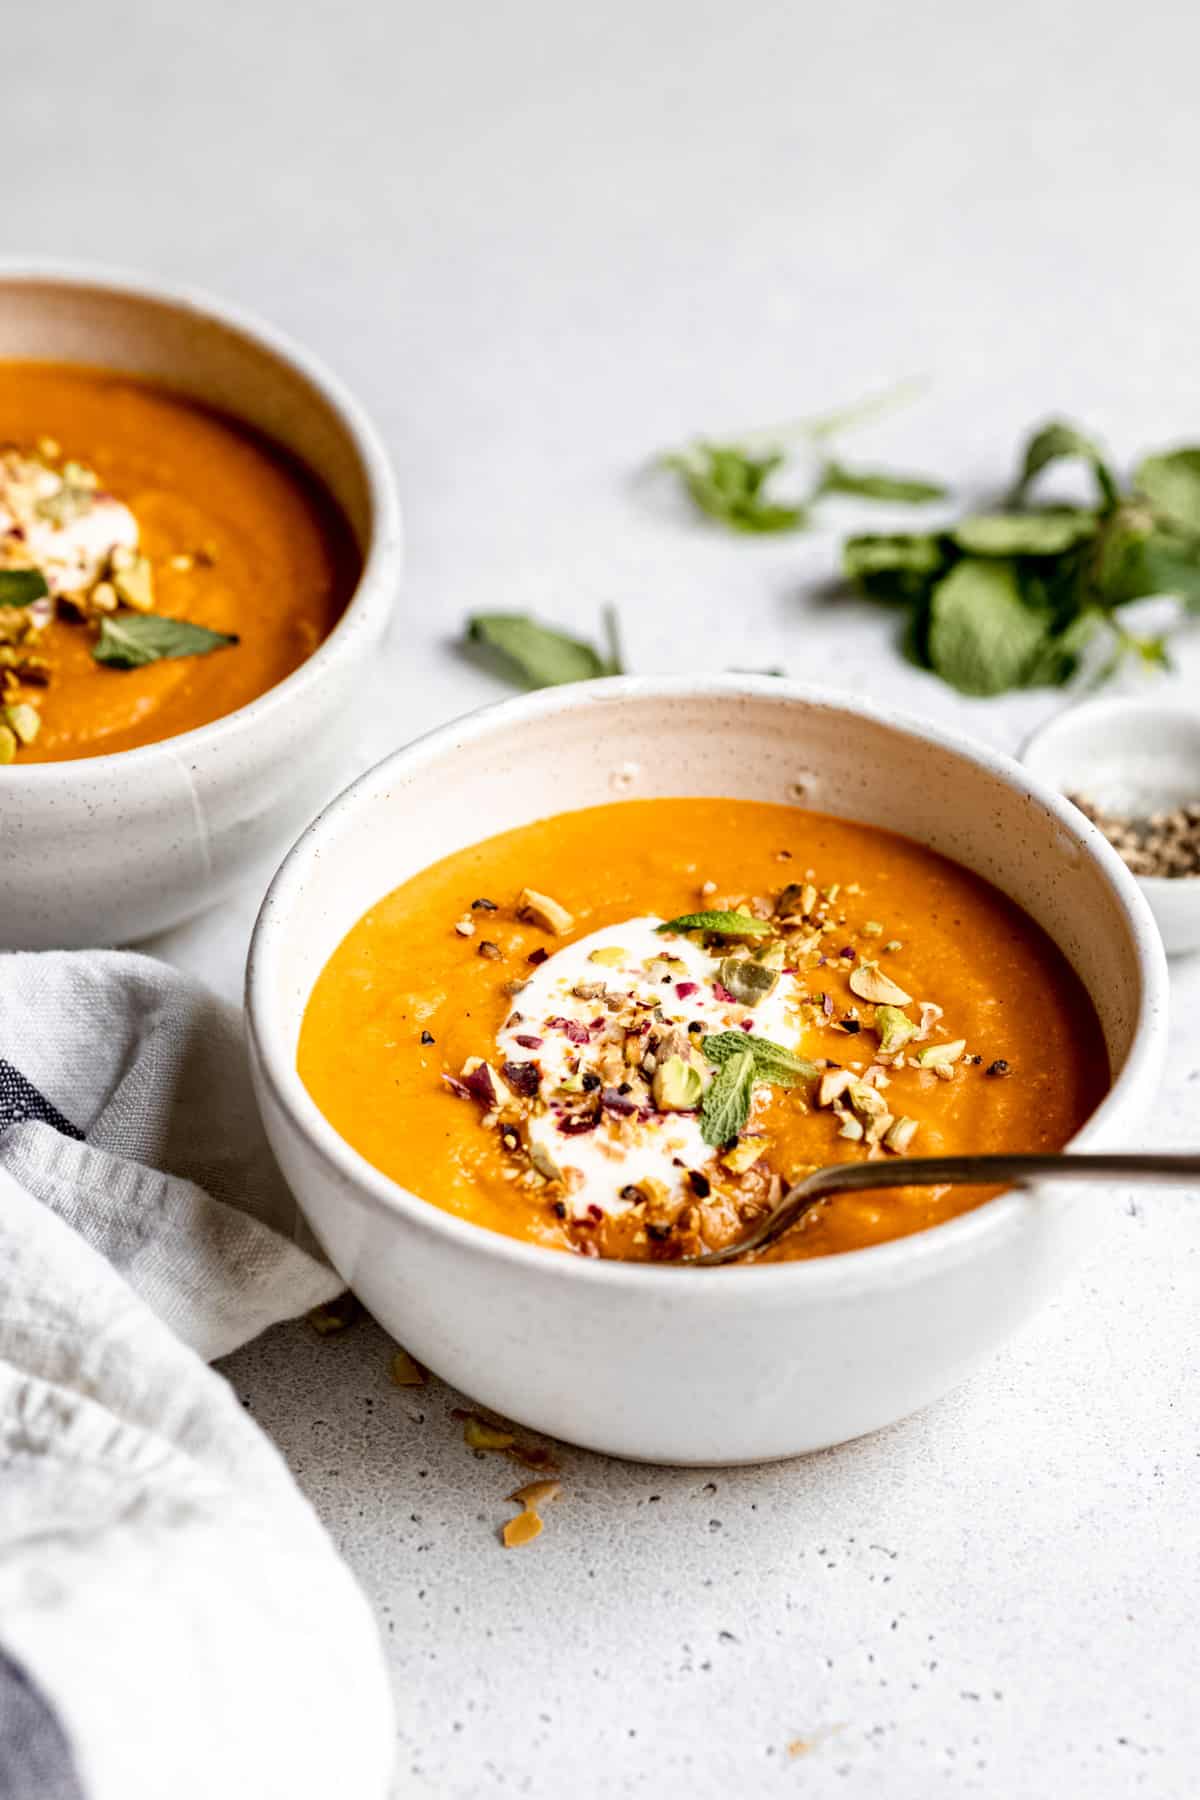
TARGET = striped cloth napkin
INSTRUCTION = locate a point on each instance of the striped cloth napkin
(173, 1619)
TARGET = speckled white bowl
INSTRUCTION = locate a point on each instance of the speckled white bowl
(1134, 757)
(111, 848)
(669, 1364)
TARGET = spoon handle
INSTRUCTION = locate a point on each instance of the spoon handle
(955, 1171)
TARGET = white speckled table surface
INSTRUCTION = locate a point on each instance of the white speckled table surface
(543, 242)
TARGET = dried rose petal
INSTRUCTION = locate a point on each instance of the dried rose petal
(723, 993)
(530, 1043)
(617, 1103)
(522, 1078)
(685, 989)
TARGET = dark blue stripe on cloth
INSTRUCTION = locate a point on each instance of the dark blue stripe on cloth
(35, 1757)
(20, 1100)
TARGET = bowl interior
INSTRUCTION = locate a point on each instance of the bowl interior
(207, 355)
(1128, 756)
(627, 739)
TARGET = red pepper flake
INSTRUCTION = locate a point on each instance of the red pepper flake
(538, 956)
(723, 993)
(685, 989)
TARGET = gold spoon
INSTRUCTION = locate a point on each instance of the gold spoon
(948, 1171)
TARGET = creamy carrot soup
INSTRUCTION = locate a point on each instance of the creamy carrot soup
(160, 563)
(623, 1031)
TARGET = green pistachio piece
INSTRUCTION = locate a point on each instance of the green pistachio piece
(894, 1028)
(24, 720)
(135, 584)
(678, 1086)
(870, 983)
(774, 956)
(867, 1101)
(748, 981)
(945, 1054)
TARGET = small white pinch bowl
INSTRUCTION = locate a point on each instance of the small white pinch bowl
(1133, 757)
(108, 849)
(670, 1364)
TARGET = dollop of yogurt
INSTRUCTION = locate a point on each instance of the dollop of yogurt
(59, 521)
(572, 1020)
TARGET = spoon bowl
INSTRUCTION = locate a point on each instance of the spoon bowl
(944, 1171)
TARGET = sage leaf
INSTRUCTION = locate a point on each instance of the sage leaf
(21, 587)
(1023, 534)
(728, 484)
(537, 654)
(726, 1104)
(729, 924)
(868, 484)
(1054, 443)
(1171, 483)
(131, 640)
(983, 638)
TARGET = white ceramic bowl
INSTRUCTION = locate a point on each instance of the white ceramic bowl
(669, 1364)
(1134, 757)
(110, 848)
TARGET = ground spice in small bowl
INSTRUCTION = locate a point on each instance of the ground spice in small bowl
(1160, 843)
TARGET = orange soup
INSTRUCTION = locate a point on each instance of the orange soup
(623, 1031)
(160, 563)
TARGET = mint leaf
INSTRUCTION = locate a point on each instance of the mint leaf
(1055, 442)
(726, 1105)
(729, 924)
(771, 1061)
(898, 567)
(21, 587)
(1171, 483)
(1137, 560)
(131, 640)
(1023, 534)
(983, 638)
(539, 655)
(728, 484)
(908, 490)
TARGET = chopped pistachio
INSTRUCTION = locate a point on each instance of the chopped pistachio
(872, 928)
(743, 1155)
(773, 956)
(708, 888)
(103, 597)
(893, 944)
(748, 981)
(944, 1054)
(867, 1101)
(135, 584)
(8, 744)
(543, 1162)
(851, 1128)
(678, 1086)
(870, 983)
(899, 1135)
(894, 1029)
(540, 909)
(808, 899)
(465, 926)
(24, 720)
(832, 892)
(610, 957)
(832, 1086)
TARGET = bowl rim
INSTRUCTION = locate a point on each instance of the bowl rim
(382, 555)
(956, 1240)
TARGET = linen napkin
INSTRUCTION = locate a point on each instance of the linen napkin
(173, 1619)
